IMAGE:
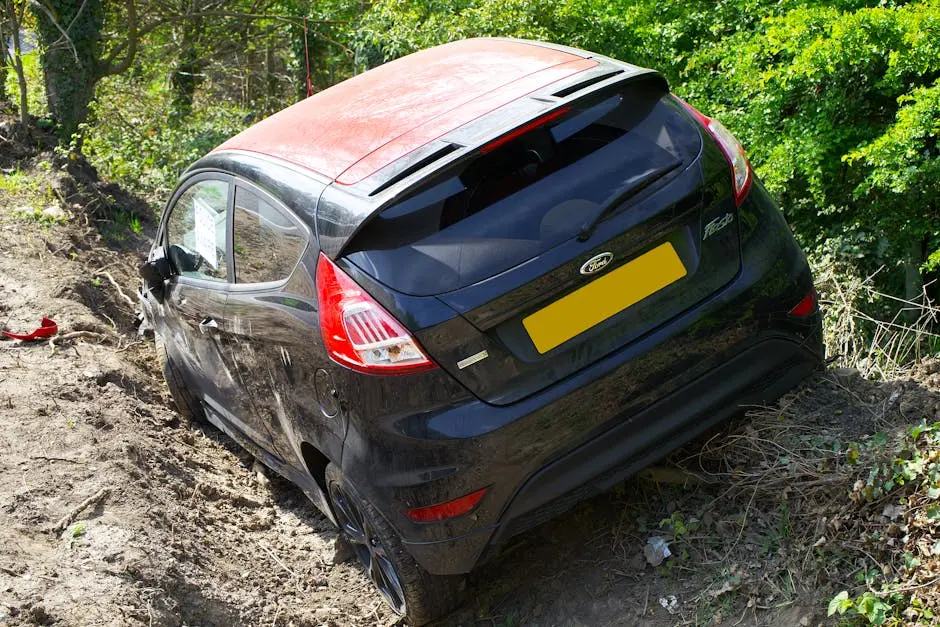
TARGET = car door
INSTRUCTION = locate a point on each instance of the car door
(196, 236)
(273, 326)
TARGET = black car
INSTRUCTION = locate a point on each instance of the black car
(453, 296)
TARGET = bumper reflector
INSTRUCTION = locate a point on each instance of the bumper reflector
(806, 306)
(450, 509)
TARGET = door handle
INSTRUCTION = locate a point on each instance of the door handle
(208, 325)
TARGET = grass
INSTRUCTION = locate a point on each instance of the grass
(28, 194)
(788, 510)
(18, 182)
(121, 226)
(24, 192)
(881, 348)
(39, 217)
(831, 498)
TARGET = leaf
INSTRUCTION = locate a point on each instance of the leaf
(839, 603)
(872, 608)
(852, 455)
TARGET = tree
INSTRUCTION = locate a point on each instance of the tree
(11, 18)
(3, 56)
(73, 58)
(839, 110)
(83, 42)
(202, 71)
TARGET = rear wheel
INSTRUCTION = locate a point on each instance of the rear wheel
(186, 403)
(408, 589)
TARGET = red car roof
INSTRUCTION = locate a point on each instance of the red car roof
(359, 126)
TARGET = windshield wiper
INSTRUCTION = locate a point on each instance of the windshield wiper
(641, 182)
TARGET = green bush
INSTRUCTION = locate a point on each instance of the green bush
(838, 110)
(132, 140)
(35, 91)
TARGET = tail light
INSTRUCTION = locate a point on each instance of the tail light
(358, 332)
(731, 147)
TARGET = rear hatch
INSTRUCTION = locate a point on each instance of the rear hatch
(561, 242)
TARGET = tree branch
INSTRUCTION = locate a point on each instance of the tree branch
(51, 17)
(349, 51)
(4, 49)
(108, 66)
(139, 31)
(296, 21)
(78, 14)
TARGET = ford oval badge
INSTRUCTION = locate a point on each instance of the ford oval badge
(597, 263)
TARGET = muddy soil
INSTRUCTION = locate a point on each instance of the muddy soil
(116, 511)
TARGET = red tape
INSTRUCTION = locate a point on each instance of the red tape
(47, 328)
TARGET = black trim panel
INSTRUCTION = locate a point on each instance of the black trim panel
(756, 376)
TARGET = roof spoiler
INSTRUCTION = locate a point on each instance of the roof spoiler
(343, 210)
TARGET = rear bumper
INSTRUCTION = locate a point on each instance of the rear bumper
(758, 374)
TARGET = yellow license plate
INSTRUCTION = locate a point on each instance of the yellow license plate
(604, 297)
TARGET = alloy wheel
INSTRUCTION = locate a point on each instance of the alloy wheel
(369, 548)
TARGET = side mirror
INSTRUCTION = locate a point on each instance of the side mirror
(156, 270)
(184, 261)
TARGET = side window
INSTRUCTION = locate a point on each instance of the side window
(268, 243)
(196, 229)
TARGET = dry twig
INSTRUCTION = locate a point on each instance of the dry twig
(127, 299)
(279, 562)
(94, 499)
(74, 335)
(58, 459)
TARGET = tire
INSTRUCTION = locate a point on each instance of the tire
(408, 589)
(186, 403)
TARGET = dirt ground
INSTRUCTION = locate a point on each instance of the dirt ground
(183, 528)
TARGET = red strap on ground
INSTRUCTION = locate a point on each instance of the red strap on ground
(47, 328)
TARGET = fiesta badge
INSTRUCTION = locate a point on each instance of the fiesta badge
(597, 263)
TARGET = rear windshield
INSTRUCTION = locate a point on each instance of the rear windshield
(517, 200)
